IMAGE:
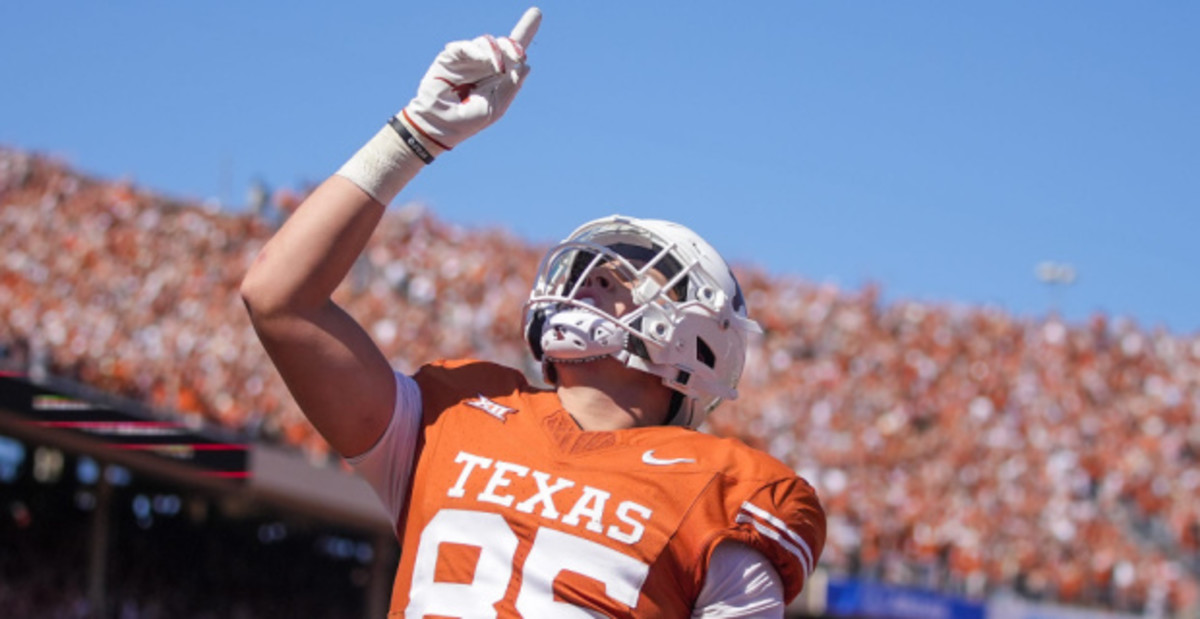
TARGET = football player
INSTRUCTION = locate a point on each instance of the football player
(593, 497)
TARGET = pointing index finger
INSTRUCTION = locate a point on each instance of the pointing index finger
(523, 32)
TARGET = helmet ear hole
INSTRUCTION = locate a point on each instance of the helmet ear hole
(704, 354)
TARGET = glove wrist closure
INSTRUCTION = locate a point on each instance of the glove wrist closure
(389, 160)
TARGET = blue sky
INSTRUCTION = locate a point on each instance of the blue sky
(940, 149)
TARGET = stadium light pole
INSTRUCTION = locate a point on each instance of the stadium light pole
(1056, 276)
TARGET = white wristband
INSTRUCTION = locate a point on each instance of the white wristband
(383, 166)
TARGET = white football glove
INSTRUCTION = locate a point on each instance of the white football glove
(468, 87)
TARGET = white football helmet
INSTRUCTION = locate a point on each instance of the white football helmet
(688, 324)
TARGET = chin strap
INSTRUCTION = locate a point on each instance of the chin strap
(577, 335)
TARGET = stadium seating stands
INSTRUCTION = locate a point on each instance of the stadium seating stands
(961, 448)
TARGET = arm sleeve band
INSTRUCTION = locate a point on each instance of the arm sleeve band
(383, 166)
(740, 582)
(387, 466)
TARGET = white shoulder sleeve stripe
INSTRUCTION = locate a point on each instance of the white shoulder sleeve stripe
(776, 529)
(740, 582)
(387, 466)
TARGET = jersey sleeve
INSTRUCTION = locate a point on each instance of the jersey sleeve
(387, 466)
(739, 582)
(785, 522)
(447, 383)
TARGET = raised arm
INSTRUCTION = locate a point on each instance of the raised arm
(337, 374)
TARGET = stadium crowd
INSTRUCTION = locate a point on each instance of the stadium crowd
(960, 448)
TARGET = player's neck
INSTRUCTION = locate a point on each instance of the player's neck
(604, 395)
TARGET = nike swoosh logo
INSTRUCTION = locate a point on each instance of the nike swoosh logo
(648, 458)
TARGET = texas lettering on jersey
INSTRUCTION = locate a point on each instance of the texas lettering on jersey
(524, 514)
(587, 511)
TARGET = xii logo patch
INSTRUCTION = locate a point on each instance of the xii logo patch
(492, 408)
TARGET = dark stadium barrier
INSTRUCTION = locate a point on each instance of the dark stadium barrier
(252, 485)
(75, 417)
(49, 406)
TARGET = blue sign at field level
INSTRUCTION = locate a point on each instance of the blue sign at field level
(870, 599)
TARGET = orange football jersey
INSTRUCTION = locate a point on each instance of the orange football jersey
(515, 511)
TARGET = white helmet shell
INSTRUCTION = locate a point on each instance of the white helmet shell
(689, 325)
